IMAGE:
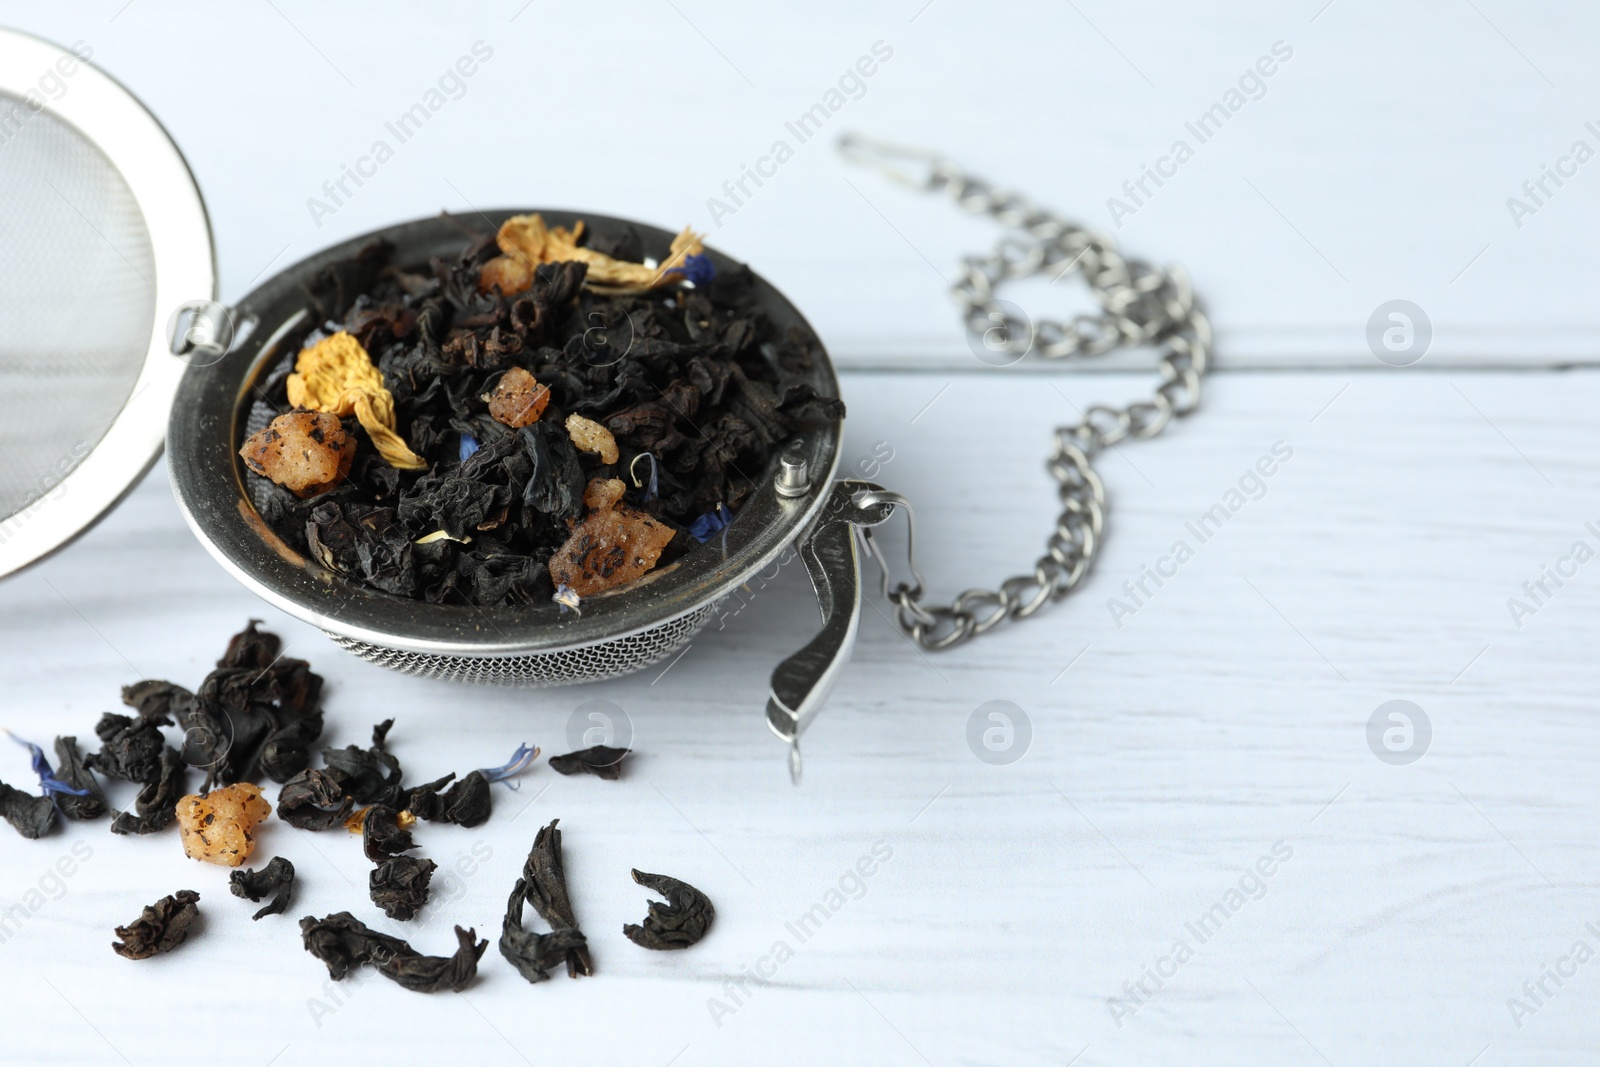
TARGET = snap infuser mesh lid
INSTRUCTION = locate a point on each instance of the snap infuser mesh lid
(103, 237)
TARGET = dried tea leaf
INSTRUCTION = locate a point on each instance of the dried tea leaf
(519, 399)
(467, 802)
(602, 761)
(154, 807)
(256, 713)
(218, 827)
(589, 436)
(679, 923)
(400, 885)
(343, 943)
(314, 800)
(609, 548)
(33, 816)
(91, 804)
(276, 878)
(381, 835)
(161, 927)
(368, 776)
(543, 886)
(130, 748)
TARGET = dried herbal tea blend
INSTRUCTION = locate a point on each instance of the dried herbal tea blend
(679, 923)
(161, 927)
(276, 878)
(543, 885)
(343, 943)
(545, 414)
(601, 761)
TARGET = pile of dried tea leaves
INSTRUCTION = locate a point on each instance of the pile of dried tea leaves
(256, 716)
(546, 410)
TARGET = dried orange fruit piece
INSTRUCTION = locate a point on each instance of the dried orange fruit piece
(306, 452)
(590, 436)
(601, 493)
(509, 274)
(519, 399)
(609, 548)
(216, 828)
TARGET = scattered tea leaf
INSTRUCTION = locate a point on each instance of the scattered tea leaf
(276, 878)
(602, 761)
(467, 802)
(368, 776)
(343, 943)
(679, 923)
(543, 886)
(33, 816)
(130, 748)
(400, 885)
(154, 807)
(314, 800)
(161, 927)
(381, 835)
(90, 802)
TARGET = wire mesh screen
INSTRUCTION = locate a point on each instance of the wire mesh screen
(78, 303)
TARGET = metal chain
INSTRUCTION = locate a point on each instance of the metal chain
(1140, 304)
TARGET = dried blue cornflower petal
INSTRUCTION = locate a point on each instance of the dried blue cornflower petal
(697, 269)
(521, 760)
(568, 599)
(707, 525)
(48, 782)
(469, 445)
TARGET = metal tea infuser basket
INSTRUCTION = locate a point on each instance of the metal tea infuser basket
(113, 335)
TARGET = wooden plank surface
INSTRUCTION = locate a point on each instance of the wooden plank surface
(1223, 722)
(1377, 161)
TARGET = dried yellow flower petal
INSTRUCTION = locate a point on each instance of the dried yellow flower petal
(336, 375)
(590, 436)
(216, 828)
(527, 242)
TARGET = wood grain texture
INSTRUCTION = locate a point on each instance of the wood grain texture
(1226, 716)
(1376, 162)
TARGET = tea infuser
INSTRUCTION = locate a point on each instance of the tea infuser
(105, 208)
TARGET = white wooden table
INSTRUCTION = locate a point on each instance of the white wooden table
(1224, 721)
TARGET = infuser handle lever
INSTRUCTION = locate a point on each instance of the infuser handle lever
(801, 683)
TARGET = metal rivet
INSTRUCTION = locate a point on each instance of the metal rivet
(794, 477)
